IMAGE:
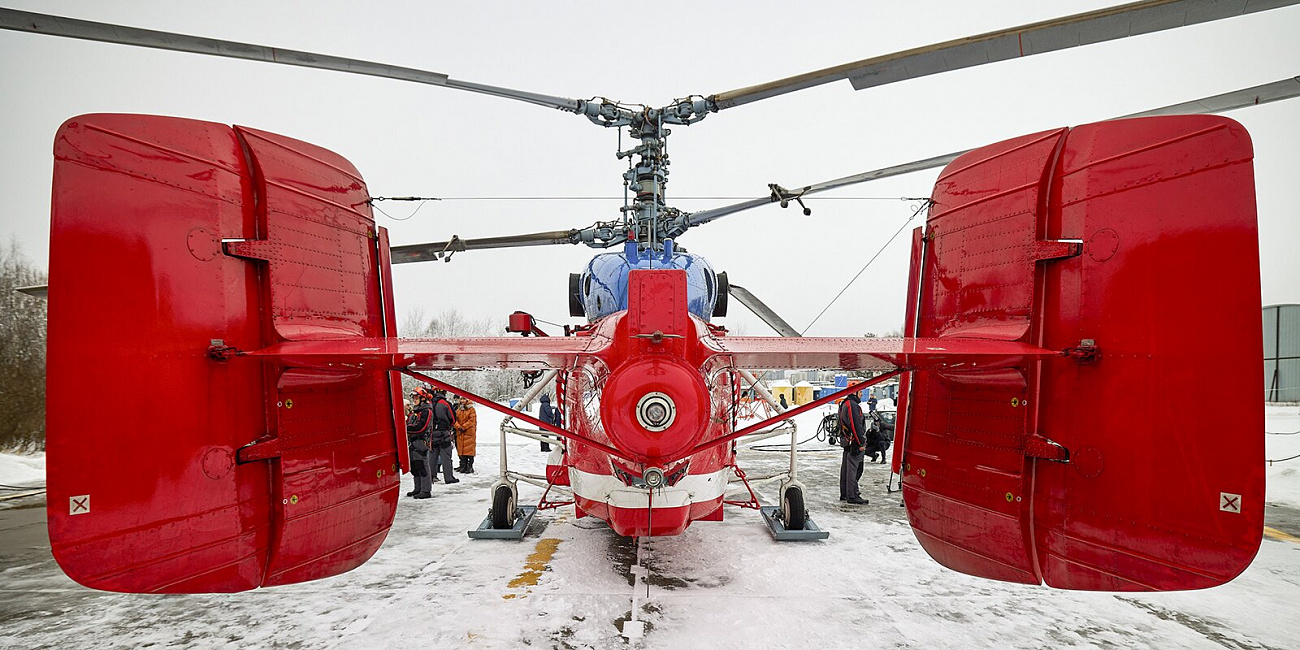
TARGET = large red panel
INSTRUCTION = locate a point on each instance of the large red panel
(338, 474)
(146, 428)
(1168, 286)
(319, 240)
(142, 427)
(983, 232)
(1138, 504)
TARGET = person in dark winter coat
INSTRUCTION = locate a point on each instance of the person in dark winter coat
(418, 431)
(550, 415)
(881, 424)
(441, 439)
(784, 406)
(853, 427)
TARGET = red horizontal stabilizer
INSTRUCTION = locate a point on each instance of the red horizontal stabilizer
(1132, 246)
(518, 352)
(860, 353)
(171, 468)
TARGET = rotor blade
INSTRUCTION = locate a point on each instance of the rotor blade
(24, 21)
(1047, 36)
(1246, 97)
(38, 291)
(445, 249)
(760, 309)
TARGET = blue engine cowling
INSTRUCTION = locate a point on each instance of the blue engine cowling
(601, 289)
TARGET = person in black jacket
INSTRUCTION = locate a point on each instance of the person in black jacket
(441, 439)
(853, 428)
(418, 430)
(550, 415)
(881, 425)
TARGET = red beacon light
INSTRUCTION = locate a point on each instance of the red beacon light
(522, 322)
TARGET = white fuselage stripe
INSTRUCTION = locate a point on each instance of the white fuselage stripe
(692, 488)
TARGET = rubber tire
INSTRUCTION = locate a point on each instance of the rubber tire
(503, 512)
(793, 506)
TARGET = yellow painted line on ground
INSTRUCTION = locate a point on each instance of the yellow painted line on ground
(535, 566)
(1281, 536)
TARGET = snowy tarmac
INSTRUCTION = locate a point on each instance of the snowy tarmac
(569, 584)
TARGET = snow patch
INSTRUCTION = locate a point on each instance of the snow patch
(22, 471)
(357, 626)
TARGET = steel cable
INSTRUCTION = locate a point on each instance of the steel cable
(925, 203)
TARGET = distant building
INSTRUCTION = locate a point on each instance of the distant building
(803, 393)
(781, 388)
(1282, 353)
(811, 376)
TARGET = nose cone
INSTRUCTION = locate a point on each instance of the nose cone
(655, 408)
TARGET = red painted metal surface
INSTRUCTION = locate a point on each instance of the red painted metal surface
(390, 330)
(1161, 258)
(909, 331)
(144, 430)
(874, 354)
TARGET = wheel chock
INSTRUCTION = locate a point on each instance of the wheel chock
(810, 532)
(523, 517)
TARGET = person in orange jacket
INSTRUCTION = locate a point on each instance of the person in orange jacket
(466, 435)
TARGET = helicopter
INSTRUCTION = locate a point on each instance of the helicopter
(297, 358)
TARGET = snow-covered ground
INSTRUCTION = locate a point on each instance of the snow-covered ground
(719, 585)
(22, 470)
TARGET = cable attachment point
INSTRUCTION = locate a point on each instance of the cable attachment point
(784, 196)
(373, 199)
(1085, 352)
(452, 248)
(376, 199)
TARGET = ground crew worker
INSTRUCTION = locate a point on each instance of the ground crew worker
(466, 434)
(550, 415)
(417, 439)
(440, 440)
(853, 429)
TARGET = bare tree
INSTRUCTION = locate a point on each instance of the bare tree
(451, 323)
(412, 323)
(22, 353)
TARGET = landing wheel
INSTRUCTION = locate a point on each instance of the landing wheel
(503, 508)
(793, 509)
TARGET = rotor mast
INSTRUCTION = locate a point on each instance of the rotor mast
(649, 220)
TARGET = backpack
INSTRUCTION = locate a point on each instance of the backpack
(847, 435)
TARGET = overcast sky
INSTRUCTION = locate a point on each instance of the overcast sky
(409, 139)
